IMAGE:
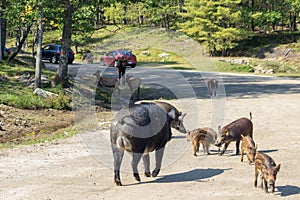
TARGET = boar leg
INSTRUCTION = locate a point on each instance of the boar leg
(196, 146)
(118, 156)
(242, 154)
(255, 177)
(146, 161)
(206, 147)
(224, 149)
(266, 185)
(136, 157)
(237, 145)
(262, 181)
(158, 159)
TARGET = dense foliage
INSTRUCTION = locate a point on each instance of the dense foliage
(219, 25)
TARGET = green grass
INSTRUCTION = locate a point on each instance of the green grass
(16, 94)
(230, 67)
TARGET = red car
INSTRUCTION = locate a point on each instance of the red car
(110, 58)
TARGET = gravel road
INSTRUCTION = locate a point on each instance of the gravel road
(80, 167)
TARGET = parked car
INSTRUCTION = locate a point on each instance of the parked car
(111, 57)
(52, 53)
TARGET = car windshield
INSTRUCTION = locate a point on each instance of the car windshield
(125, 52)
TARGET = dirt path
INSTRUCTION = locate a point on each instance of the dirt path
(69, 169)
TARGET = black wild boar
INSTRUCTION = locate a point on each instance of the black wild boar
(177, 122)
(267, 168)
(140, 129)
(233, 131)
(249, 147)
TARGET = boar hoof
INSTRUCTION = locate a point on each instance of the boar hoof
(155, 172)
(118, 182)
(136, 176)
(147, 174)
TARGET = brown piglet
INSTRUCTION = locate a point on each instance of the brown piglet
(249, 147)
(205, 136)
(267, 168)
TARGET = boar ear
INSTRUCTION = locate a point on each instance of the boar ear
(242, 136)
(226, 132)
(256, 146)
(277, 168)
(172, 114)
(181, 116)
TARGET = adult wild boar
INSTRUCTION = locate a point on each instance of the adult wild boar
(233, 131)
(177, 122)
(140, 129)
(268, 170)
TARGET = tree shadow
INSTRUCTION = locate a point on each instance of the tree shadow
(288, 190)
(240, 87)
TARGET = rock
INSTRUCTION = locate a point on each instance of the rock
(164, 55)
(145, 53)
(43, 93)
(269, 71)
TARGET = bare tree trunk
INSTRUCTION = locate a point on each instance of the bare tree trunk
(62, 73)
(20, 44)
(38, 64)
(2, 29)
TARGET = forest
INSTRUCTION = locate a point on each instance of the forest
(218, 25)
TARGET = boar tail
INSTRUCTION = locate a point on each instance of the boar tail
(251, 116)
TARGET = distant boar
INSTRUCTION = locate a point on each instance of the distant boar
(204, 136)
(212, 85)
(268, 170)
(249, 147)
(233, 131)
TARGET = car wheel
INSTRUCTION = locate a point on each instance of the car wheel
(53, 60)
(70, 61)
(133, 66)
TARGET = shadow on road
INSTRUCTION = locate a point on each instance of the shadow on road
(193, 175)
(237, 86)
(288, 190)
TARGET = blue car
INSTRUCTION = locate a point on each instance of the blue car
(52, 53)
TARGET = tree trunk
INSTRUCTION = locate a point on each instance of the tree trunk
(38, 64)
(20, 44)
(3, 29)
(62, 72)
(252, 21)
(295, 21)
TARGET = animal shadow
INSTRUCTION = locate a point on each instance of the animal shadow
(268, 151)
(288, 190)
(193, 175)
